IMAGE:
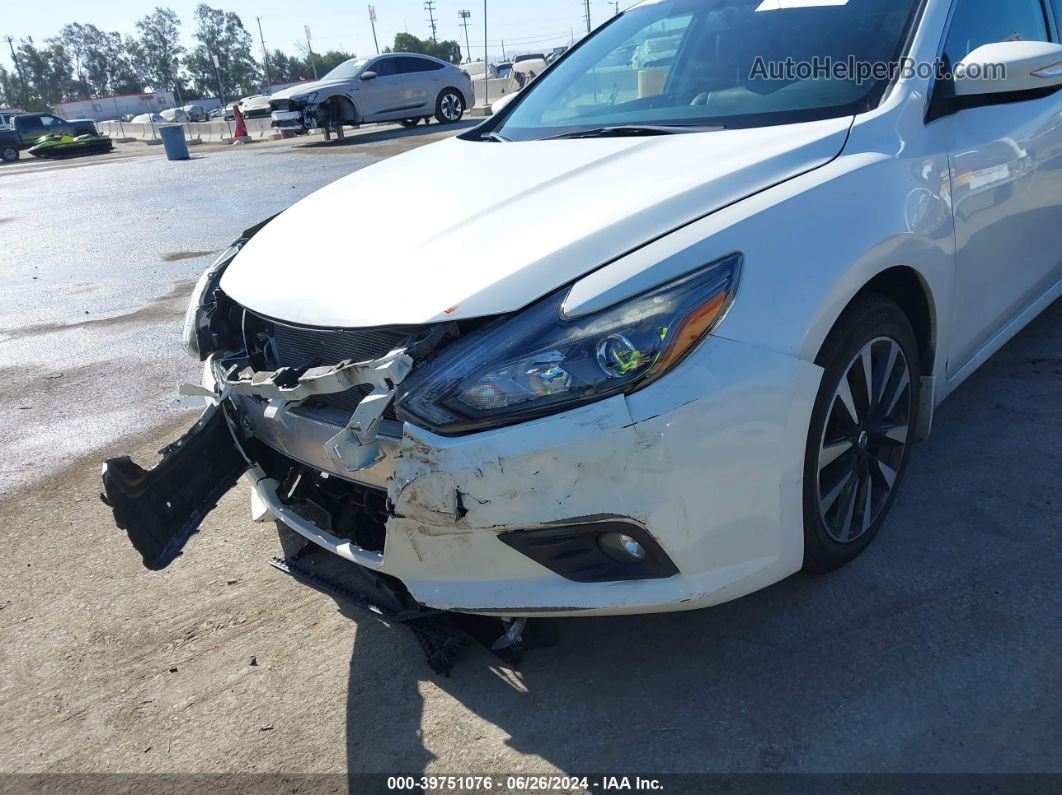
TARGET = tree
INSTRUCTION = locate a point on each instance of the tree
(285, 68)
(10, 88)
(158, 49)
(102, 62)
(48, 73)
(449, 51)
(222, 33)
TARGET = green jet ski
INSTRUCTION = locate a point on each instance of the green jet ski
(55, 145)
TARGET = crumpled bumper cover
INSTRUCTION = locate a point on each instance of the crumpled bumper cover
(708, 461)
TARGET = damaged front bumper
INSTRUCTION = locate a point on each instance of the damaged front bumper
(704, 469)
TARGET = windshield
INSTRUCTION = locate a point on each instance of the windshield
(347, 70)
(712, 63)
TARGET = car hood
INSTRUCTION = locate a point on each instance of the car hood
(463, 229)
(305, 88)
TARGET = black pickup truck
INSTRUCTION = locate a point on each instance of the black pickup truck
(26, 128)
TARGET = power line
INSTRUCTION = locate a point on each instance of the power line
(429, 6)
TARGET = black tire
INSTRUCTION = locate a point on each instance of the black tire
(871, 457)
(8, 153)
(449, 107)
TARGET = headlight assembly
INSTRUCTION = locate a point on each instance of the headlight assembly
(538, 362)
(202, 305)
(202, 325)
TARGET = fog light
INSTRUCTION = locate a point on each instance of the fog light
(621, 547)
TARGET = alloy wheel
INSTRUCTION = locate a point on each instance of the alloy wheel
(864, 440)
(450, 105)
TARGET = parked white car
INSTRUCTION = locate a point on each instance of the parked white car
(179, 115)
(401, 87)
(693, 354)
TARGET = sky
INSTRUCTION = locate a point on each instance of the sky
(525, 25)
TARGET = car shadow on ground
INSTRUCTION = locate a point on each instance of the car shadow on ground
(392, 134)
(936, 651)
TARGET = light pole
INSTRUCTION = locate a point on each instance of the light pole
(18, 68)
(309, 47)
(465, 16)
(486, 59)
(265, 59)
(221, 89)
(372, 21)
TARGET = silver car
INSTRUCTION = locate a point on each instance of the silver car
(401, 87)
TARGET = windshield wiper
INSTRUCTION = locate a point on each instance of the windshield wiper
(625, 130)
(493, 136)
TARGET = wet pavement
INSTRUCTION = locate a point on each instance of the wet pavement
(97, 258)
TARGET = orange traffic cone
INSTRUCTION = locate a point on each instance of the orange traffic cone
(241, 128)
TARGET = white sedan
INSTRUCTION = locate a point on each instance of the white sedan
(650, 338)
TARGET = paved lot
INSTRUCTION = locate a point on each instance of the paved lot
(939, 650)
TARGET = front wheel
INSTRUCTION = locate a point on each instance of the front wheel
(9, 153)
(862, 426)
(450, 107)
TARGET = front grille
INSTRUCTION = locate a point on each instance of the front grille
(302, 347)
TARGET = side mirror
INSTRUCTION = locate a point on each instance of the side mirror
(1009, 67)
(368, 75)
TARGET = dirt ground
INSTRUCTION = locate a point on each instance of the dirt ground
(937, 651)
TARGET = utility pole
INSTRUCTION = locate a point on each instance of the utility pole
(617, 8)
(429, 6)
(486, 60)
(313, 61)
(372, 21)
(18, 68)
(265, 59)
(587, 4)
(465, 16)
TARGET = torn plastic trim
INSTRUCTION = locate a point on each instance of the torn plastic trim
(162, 508)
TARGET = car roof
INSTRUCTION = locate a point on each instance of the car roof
(408, 55)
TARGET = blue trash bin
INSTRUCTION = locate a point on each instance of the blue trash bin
(173, 142)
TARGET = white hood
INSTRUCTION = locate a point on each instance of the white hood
(462, 229)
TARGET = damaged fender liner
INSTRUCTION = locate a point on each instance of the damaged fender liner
(161, 509)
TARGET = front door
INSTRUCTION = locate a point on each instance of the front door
(378, 96)
(1006, 176)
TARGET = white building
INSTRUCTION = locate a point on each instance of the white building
(104, 108)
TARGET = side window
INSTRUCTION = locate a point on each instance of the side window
(50, 121)
(29, 124)
(408, 64)
(385, 67)
(980, 22)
